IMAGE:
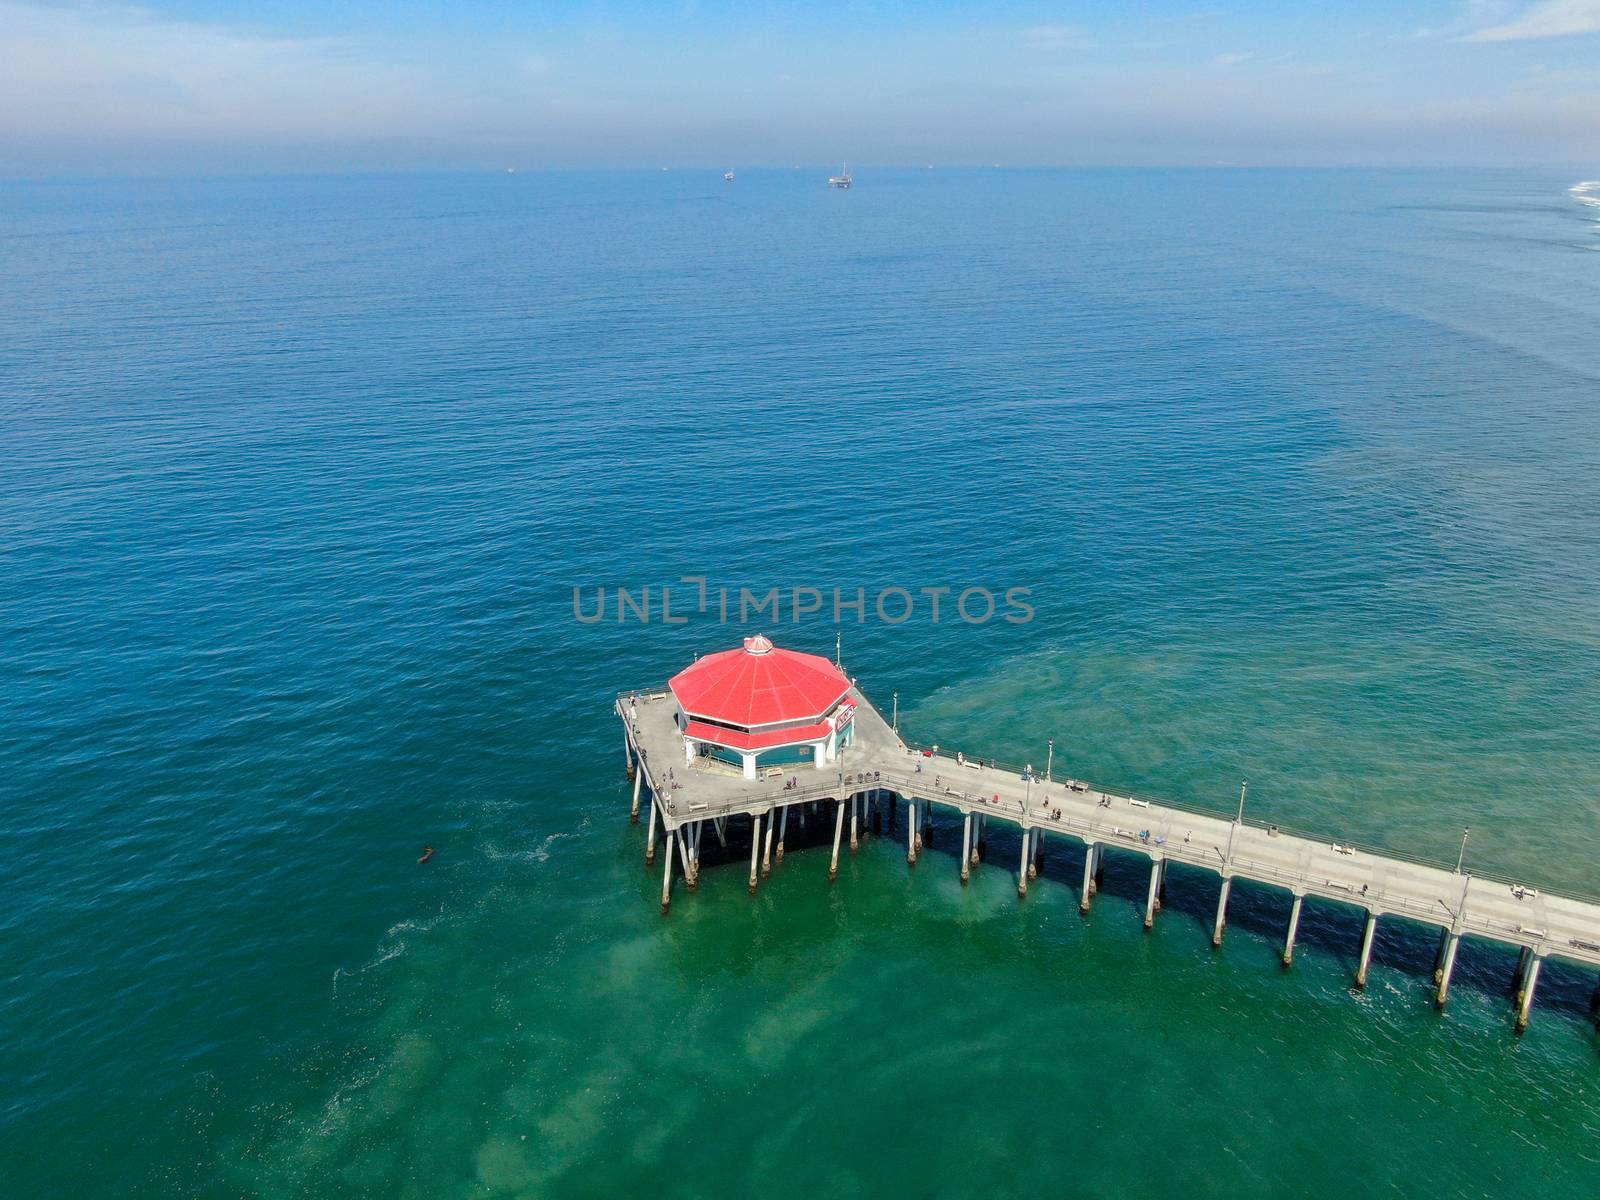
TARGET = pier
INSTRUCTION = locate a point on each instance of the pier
(683, 797)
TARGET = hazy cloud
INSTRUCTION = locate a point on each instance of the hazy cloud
(125, 70)
(1551, 18)
(1058, 37)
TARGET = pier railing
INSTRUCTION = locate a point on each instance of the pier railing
(984, 801)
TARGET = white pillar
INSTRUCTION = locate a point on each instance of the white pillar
(1022, 867)
(749, 761)
(1088, 876)
(783, 829)
(819, 755)
(1447, 967)
(1294, 924)
(1525, 1001)
(766, 854)
(690, 876)
(666, 875)
(1222, 911)
(838, 832)
(911, 831)
(755, 849)
(966, 848)
(688, 753)
(650, 835)
(638, 778)
(1150, 903)
(1368, 930)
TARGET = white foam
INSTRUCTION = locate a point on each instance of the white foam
(1587, 192)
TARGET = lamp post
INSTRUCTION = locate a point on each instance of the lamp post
(1049, 758)
(1462, 857)
(895, 721)
(1238, 820)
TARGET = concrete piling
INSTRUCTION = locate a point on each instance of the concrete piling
(1088, 876)
(1369, 929)
(666, 875)
(755, 848)
(1222, 912)
(838, 832)
(966, 848)
(1452, 942)
(1525, 999)
(1294, 926)
(691, 877)
(1151, 904)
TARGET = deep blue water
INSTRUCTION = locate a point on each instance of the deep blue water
(1302, 470)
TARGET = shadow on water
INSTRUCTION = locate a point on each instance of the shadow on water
(1256, 910)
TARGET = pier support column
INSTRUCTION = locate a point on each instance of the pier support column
(1438, 955)
(1151, 904)
(838, 832)
(1522, 970)
(1222, 912)
(1368, 930)
(855, 823)
(755, 849)
(721, 826)
(1034, 837)
(766, 854)
(783, 829)
(1088, 876)
(650, 836)
(1161, 884)
(1294, 925)
(1525, 998)
(982, 852)
(966, 848)
(691, 876)
(1447, 967)
(976, 854)
(921, 822)
(1022, 867)
(912, 840)
(1099, 866)
(666, 875)
(638, 779)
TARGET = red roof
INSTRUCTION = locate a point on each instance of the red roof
(759, 684)
(736, 739)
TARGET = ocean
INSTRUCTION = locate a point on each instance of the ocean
(1300, 471)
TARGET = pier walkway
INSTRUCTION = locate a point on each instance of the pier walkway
(878, 767)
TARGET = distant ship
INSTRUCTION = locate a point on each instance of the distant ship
(843, 179)
(728, 175)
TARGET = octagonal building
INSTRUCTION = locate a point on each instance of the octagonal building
(762, 709)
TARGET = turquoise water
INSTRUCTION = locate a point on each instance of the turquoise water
(1302, 468)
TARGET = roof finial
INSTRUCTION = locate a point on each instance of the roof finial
(760, 644)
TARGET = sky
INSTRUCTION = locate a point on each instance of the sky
(210, 86)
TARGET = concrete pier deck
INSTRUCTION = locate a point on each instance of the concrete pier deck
(879, 763)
